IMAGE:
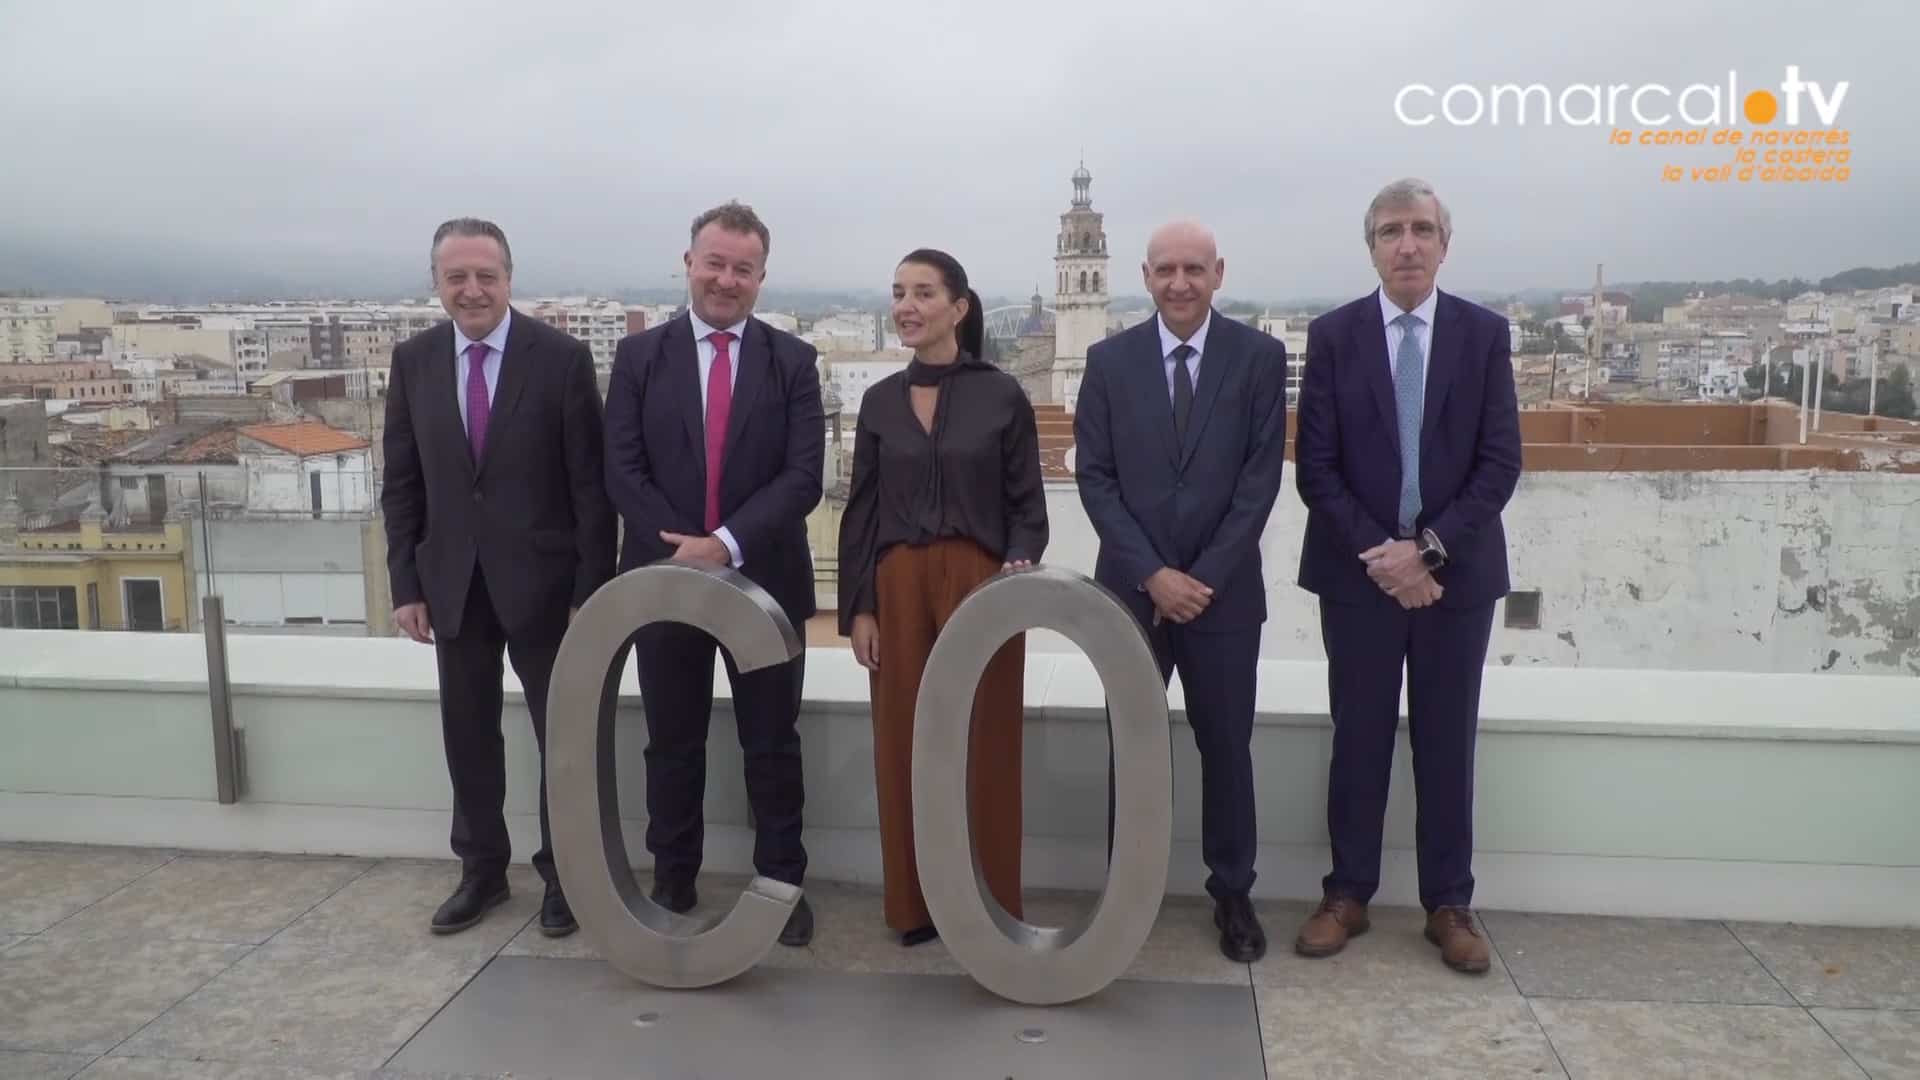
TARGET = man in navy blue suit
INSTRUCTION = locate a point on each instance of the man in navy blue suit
(1180, 438)
(1408, 448)
(715, 442)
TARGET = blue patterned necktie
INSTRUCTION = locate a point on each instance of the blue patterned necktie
(1409, 398)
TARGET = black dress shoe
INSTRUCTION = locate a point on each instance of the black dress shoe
(1241, 938)
(469, 903)
(676, 896)
(799, 928)
(556, 918)
(919, 935)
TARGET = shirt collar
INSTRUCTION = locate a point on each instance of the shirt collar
(1390, 311)
(497, 340)
(1168, 342)
(701, 331)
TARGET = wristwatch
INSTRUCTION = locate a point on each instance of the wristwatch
(1432, 555)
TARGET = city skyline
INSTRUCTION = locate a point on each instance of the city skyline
(264, 166)
(808, 301)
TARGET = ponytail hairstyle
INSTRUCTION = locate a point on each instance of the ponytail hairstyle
(972, 331)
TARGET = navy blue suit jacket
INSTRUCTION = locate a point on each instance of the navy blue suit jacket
(1197, 506)
(1347, 450)
(776, 445)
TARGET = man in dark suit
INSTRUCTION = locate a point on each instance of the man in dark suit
(1408, 449)
(715, 444)
(497, 529)
(1180, 437)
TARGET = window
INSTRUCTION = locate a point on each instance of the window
(43, 607)
(1523, 610)
(144, 608)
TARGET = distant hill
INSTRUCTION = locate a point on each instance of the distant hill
(177, 274)
(1650, 298)
(1867, 277)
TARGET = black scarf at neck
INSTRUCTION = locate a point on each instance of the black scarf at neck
(928, 514)
(921, 373)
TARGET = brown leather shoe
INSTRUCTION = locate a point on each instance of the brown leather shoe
(1326, 931)
(1461, 946)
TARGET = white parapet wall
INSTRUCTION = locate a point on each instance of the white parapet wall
(1690, 794)
(1808, 572)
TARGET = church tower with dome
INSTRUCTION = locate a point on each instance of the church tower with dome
(1080, 288)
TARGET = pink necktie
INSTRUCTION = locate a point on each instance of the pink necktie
(719, 409)
(478, 407)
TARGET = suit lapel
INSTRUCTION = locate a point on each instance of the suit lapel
(1443, 364)
(1219, 355)
(1370, 346)
(751, 363)
(1150, 377)
(515, 360)
(683, 373)
(443, 391)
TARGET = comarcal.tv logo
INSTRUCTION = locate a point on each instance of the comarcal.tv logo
(1784, 132)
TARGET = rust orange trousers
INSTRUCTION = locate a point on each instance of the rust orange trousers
(916, 592)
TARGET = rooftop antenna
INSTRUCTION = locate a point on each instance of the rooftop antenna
(1593, 332)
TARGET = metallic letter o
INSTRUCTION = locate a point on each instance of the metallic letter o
(1018, 961)
(638, 937)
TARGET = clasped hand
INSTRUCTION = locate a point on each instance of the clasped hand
(1396, 567)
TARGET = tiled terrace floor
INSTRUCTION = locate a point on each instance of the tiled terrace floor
(118, 963)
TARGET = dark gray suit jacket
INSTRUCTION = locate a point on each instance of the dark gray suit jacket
(532, 513)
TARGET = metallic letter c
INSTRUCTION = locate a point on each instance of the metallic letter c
(640, 938)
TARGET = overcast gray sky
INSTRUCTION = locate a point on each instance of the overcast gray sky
(326, 140)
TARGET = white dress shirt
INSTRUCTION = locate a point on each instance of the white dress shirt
(1168, 343)
(704, 349)
(1390, 311)
(496, 343)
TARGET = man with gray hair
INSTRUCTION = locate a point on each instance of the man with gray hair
(1408, 449)
(498, 528)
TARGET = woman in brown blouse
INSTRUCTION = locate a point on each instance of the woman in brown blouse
(946, 493)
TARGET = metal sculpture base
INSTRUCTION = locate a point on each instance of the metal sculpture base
(582, 1020)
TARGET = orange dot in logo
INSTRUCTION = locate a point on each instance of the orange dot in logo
(1761, 107)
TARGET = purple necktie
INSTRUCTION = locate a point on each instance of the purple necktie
(478, 407)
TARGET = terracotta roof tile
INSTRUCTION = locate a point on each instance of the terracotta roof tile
(304, 438)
